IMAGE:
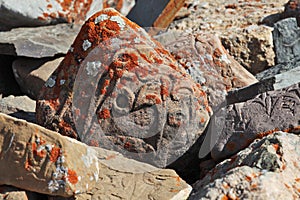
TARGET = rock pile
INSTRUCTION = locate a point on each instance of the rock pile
(212, 101)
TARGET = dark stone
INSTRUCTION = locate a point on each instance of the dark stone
(237, 125)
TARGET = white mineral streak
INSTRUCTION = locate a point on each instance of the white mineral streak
(101, 18)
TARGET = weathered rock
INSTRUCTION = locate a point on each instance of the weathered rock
(268, 168)
(134, 97)
(31, 74)
(157, 14)
(235, 23)
(18, 106)
(38, 42)
(239, 124)
(8, 85)
(50, 163)
(253, 48)
(208, 63)
(286, 40)
(34, 13)
(270, 81)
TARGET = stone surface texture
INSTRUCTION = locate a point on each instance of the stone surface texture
(237, 125)
(43, 12)
(208, 63)
(267, 169)
(18, 106)
(38, 42)
(31, 74)
(134, 98)
(286, 36)
(235, 22)
(43, 161)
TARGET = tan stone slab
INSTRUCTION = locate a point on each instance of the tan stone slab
(36, 159)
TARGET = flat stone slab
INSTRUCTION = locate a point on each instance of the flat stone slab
(38, 42)
(209, 64)
(16, 13)
(36, 159)
(267, 168)
(271, 81)
(237, 125)
(120, 89)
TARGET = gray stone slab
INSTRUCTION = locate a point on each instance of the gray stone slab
(38, 42)
(286, 36)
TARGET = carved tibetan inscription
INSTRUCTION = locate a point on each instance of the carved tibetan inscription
(118, 88)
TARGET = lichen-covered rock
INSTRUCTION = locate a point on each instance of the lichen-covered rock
(42, 12)
(208, 63)
(120, 89)
(267, 169)
(36, 159)
(237, 125)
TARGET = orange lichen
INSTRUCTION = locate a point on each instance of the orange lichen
(55, 153)
(72, 176)
(104, 114)
(263, 134)
(153, 97)
(276, 147)
(297, 179)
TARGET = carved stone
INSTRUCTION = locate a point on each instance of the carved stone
(209, 64)
(36, 159)
(239, 124)
(118, 88)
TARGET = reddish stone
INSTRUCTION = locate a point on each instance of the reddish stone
(111, 91)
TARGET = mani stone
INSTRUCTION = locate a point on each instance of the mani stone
(237, 125)
(267, 168)
(286, 38)
(14, 13)
(118, 88)
(39, 160)
(208, 63)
